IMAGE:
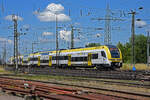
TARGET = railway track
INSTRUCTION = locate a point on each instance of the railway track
(124, 75)
(47, 90)
(41, 90)
(90, 73)
(138, 84)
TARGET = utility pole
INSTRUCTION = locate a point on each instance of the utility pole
(72, 37)
(57, 42)
(4, 53)
(133, 36)
(14, 18)
(14, 38)
(33, 43)
(148, 41)
(32, 48)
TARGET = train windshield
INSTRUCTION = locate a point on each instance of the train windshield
(114, 51)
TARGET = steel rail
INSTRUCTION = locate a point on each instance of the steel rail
(102, 89)
(41, 89)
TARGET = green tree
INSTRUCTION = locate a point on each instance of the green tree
(92, 45)
(140, 49)
(125, 50)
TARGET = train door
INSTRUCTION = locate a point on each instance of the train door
(69, 59)
(38, 60)
(28, 61)
(89, 59)
(22, 61)
(50, 61)
(103, 54)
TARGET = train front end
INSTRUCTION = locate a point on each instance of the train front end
(115, 57)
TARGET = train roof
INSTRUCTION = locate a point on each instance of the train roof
(71, 50)
(77, 49)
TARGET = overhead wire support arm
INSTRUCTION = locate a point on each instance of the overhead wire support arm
(114, 19)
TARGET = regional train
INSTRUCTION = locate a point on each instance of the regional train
(101, 57)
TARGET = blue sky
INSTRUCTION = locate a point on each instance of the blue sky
(84, 33)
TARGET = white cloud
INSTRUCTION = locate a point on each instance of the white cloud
(47, 33)
(5, 40)
(10, 41)
(80, 37)
(26, 26)
(77, 40)
(49, 14)
(55, 7)
(44, 40)
(140, 23)
(98, 35)
(65, 35)
(77, 23)
(10, 17)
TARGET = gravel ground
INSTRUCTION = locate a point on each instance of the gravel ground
(9, 97)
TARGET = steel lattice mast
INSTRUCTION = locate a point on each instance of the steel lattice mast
(107, 36)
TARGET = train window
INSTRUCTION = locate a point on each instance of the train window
(65, 57)
(33, 59)
(54, 58)
(25, 61)
(60, 58)
(103, 54)
(84, 58)
(94, 56)
(44, 61)
(76, 59)
(115, 53)
(20, 59)
(73, 59)
(13, 60)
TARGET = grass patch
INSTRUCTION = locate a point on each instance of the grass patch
(3, 71)
(137, 66)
